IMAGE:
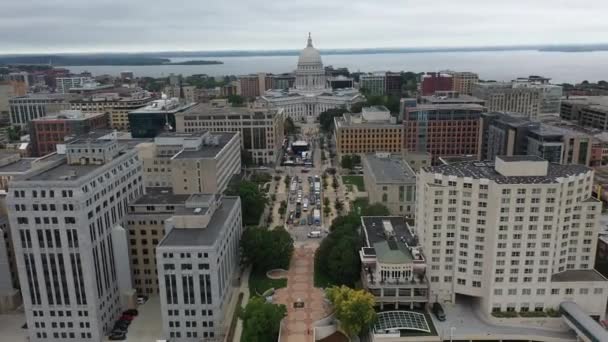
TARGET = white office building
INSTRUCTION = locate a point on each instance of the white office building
(311, 94)
(70, 247)
(64, 84)
(197, 261)
(516, 235)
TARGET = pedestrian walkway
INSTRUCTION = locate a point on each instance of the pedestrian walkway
(244, 288)
(298, 324)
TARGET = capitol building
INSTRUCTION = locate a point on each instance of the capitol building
(311, 94)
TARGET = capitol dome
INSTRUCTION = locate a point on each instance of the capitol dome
(310, 55)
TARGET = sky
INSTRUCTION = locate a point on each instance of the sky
(49, 26)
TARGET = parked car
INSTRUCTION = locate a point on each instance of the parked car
(310, 220)
(438, 311)
(314, 234)
(126, 318)
(117, 337)
(131, 312)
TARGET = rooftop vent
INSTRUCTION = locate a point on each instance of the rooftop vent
(198, 210)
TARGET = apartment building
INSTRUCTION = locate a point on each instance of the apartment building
(374, 130)
(463, 81)
(551, 94)
(392, 265)
(517, 235)
(69, 243)
(373, 84)
(505, 134)
(197, 261)
(24, 109)
(253, 85)
(389, 180)
(261, 129)
(590, 111)
(443, 129)
(117, 103)
(145, 222)
(189, 163)
(8, 90)
(393, 83)
(509, 97)
(556, 141)
(432, 82)
(48, 131)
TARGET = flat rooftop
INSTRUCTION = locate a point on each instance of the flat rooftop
(374, 229)
(391, 169)
(519, 158)
(192, 237)
(447, 106)
(485, 170)
(161, 196)
(577, 275)
(57, 172)
(461, 98)
(448, 160)
(22, 165)
(208, 151)
(209, 109)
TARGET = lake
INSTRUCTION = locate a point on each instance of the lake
(562, 67)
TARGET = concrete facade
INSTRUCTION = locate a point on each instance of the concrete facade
(261, 129)
(517, 235)
(509, 97)
(191, 162)
(389, 180)
(65, 216)
(355, 135)
(197, 262)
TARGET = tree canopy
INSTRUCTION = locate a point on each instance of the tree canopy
(326, 119)
(337, 257)
(261, 320)
(236, 100)
(290, 127)
(253, 200)
(353, 308)
(267, 249)
(347, 162)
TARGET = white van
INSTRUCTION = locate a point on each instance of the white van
(314, 234)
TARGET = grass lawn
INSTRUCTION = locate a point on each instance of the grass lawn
(354, 180)
(258, 283)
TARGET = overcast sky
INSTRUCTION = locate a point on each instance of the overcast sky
(149, 25)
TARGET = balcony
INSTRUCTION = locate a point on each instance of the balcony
(370, 282)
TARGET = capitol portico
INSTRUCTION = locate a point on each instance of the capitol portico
(311, 94)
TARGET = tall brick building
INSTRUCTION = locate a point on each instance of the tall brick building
(46, 132)
(443, 129)
(435, 81)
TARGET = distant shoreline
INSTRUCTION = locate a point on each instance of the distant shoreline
(162, 57)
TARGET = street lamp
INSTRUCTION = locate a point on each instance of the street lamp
(452, 333)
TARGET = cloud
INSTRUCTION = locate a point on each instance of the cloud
(144, 25)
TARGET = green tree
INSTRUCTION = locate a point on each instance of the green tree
(334, 183)
(347, 162)
(326, 210)
(290, 127)
(262, 320)
(357, 107)
(236, 100)
(287, 181)
(283, 208)
(339, 206)
(14, 133)
(375, 209)
(252, 200)
(266, 249)
(356, 159)
(354, 309)
(326, 119)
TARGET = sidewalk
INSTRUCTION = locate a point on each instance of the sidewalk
(298, 325)
(244, 288)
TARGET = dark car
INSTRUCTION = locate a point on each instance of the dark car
(117, 337)
(118, 331)
(310, 220)
(130, 312)
(438, 311)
